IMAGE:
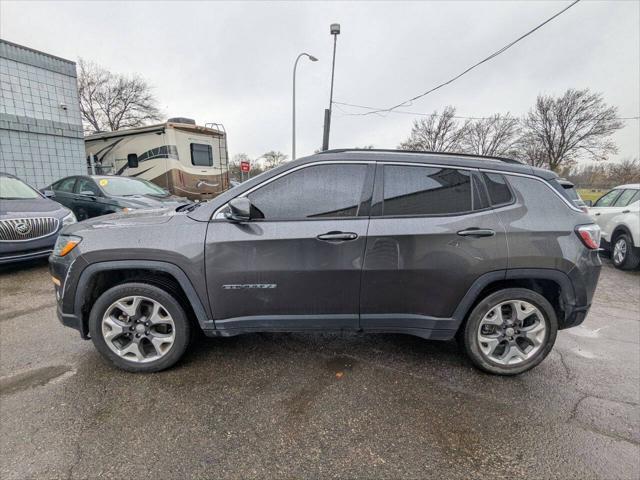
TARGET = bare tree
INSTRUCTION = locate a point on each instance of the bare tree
(110, 102)
(624, 172)
(576, 125)
(530, 150)
(273, 159)
(494, 136)
(437, 133)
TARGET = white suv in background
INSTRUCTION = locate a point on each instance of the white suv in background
(617, 213)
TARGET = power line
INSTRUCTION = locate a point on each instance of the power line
(399, 111)
(493, 55)
(430, 114)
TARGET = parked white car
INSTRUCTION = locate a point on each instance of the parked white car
(617, 213)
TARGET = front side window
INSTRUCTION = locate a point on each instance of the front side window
(14, 189)
(416, 190)
(608, 199)
(87, 185)
(627, 197)
(65, 185)
(322, 191)
(201, 155)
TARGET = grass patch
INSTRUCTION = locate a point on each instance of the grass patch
(592, 194)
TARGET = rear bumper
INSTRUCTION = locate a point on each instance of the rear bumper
(574, 316)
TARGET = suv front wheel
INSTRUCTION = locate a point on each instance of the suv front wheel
(139, 327)
(623, 254)
(510, 331)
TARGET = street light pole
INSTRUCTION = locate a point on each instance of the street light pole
(335, 31)
(295, 66)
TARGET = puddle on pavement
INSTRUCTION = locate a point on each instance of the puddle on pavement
(33, 378)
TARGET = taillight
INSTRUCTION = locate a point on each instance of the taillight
(590, 235)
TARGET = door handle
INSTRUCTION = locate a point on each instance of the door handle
(337, 236)
(626, 211)
(597, 214)
(477, 232)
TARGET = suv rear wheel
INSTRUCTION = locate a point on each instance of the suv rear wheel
(139, 327)
(510, 331)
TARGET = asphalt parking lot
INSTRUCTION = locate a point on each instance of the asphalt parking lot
(310, 406)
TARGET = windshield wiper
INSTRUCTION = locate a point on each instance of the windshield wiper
(189, 207)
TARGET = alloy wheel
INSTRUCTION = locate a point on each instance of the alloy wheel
(512, 332)
(138, 329)
(620, 251)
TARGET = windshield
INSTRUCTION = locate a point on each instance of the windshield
(120, 186)
(12, 188)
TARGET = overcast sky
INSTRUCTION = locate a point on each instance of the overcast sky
(231, 62)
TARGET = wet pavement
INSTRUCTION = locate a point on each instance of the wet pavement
(310, 406)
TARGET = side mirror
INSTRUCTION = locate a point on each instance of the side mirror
(240, 210)
(132, 160)
(49, 193)
(588, 203)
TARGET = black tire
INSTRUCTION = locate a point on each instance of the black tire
(470, 338)
(631, 259)
(182, 326)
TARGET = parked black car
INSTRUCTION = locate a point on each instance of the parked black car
(29, 222)
(90, 196)
(435, 245)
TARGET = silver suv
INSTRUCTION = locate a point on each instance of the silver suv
(485, 250)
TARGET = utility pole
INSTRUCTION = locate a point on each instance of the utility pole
(335, 31)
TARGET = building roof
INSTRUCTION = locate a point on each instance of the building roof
(36, 58)
(159, 127)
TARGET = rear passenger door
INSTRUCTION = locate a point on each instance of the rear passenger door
(431, 235)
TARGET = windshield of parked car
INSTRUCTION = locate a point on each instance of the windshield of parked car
(119, 186)
(14, 189)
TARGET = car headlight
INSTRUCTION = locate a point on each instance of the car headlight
(64, 244)
(69, 219)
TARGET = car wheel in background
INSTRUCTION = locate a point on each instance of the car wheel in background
(623, 254)
(139, 327)
(510, 331)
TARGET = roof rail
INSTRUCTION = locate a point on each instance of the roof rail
(391, 150)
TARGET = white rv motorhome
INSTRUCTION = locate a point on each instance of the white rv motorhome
(186, 159)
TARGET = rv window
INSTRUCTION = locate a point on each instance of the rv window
(201, 155)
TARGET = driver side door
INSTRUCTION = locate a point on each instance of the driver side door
(299, 267)
(87, 199)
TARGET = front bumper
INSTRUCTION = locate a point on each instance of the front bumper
(61, 269)
(24, 256)
(72, 321)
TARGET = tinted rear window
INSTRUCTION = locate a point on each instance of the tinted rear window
(410, 190)
(498, 189)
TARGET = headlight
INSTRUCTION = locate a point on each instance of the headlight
(69, 219)
(65, 244)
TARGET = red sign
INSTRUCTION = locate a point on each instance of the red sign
(245, 166)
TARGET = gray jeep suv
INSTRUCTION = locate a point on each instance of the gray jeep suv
(441, 246)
